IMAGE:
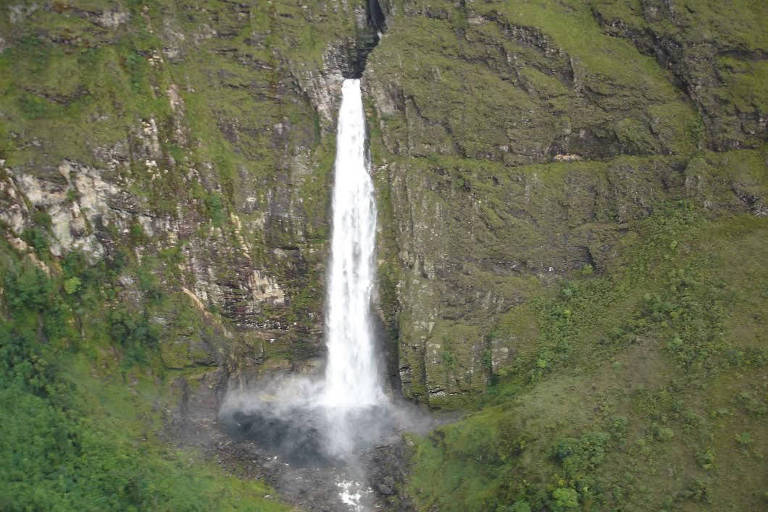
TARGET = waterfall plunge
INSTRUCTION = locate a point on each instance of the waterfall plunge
(351, 377)
(312, 421)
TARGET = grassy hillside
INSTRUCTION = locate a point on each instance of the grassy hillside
(641, 389)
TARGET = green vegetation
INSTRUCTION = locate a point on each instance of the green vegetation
(628, 395)
(725, 41)
(575, 195)
(75, 438)
(737, 23)
(572, 201)
(190, 109)
(573, 28)
(538, 72)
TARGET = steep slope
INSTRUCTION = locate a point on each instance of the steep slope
(515, 143)
(575, 218)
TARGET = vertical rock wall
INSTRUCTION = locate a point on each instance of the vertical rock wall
(515, 143)
(191, 140)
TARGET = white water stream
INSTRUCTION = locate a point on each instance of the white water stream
(351, 376)
(325, 422)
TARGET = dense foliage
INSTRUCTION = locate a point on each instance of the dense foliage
(72, 441)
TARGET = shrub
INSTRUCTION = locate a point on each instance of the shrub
(37, 238)
(662, 433)
(579, 456)
(519, 506)
(215, 208)
(72, 285)
(706, 459)
(744, 440)
(565, 499)
(134, 333)
(27, 288)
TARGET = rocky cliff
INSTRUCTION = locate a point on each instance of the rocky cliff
(574, 215)
(164, 184)
(193, 140)
(548, 173)
(515, 143)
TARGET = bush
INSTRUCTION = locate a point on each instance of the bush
(744, 440)
(706, 459)
(72, 285)
(215, 208)
(583, 455)
(37, 238)
(27, 288)
(134, 333)
(521, 506)
(565, 499)
(518, 506)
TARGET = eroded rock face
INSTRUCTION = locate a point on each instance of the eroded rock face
(203, 139)
(713, 56)
(509, 155)
(79, 203)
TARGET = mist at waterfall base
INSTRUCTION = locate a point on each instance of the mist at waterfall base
(323, 421)
(286, 418)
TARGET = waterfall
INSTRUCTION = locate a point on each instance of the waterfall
(351, 376)
(314, 424)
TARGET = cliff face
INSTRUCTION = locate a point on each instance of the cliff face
(571, 194)
(515, 143)
(193, 140)
(165, 174)
(574, 212)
